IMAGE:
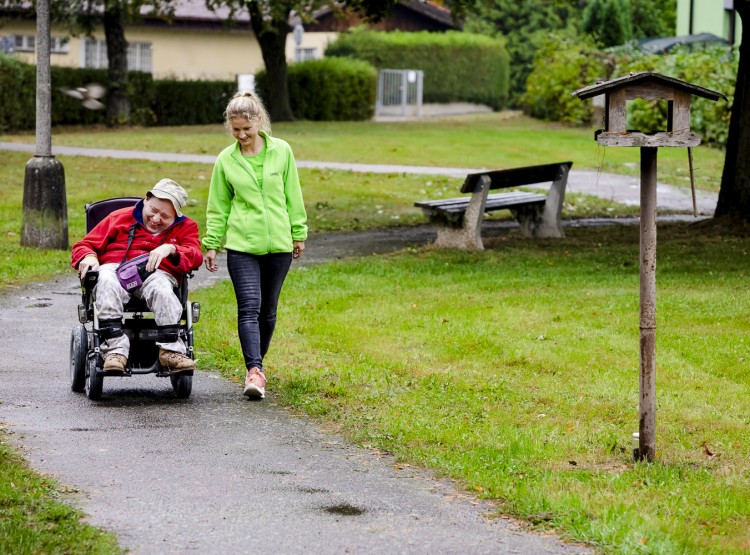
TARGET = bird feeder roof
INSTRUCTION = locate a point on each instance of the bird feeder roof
(646, 76)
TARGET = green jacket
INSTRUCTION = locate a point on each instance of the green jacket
(250, 218)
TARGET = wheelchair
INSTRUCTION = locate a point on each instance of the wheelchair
(86, 363)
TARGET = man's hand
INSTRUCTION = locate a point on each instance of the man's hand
(88, 262)
(210, 260)
(158, 254)
(299, 248)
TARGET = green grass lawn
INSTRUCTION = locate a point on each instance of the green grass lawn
(515, 372)
(494, 141)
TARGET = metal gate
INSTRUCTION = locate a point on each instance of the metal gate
(400, 93)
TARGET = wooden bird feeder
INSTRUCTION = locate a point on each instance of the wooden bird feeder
(649, 86)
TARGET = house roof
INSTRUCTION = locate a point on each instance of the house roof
(432, 16)
(196, 11)
(606, 86)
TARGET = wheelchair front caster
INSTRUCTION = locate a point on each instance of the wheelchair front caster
(94, 382)
(182, 385)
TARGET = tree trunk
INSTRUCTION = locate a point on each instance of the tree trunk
(118, 106)
(734, 195)
(272, 40)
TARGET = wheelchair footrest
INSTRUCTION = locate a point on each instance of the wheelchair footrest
(165, 373)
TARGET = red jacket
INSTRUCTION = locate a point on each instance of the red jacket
(109, 239)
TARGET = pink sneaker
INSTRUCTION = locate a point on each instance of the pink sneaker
(255, 384)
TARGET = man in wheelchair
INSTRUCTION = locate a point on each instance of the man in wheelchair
(167, 245)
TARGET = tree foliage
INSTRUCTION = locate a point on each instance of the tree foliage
(524, 25)
(609, 21)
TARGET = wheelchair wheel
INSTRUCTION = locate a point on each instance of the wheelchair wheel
(79, 346)
(182, 385)
(94, 383)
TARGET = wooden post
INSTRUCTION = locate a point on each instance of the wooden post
(647, 420)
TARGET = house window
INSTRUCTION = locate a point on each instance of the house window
(24, 43)
(139, 55)
(304, 54)
(58, 45)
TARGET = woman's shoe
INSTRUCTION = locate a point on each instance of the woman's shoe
(255, 384)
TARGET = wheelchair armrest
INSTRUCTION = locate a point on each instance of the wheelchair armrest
(87, 285)
(90, 279)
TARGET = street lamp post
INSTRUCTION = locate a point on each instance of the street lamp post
(45, 212)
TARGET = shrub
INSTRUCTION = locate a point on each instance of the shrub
(190, 102)
(69, 111)
(330, 89)
(457, 66)
(561, 66)
(18, 109)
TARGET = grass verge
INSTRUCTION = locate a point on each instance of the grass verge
(33, 519)
(515, 371)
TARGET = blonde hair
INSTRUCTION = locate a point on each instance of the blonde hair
(246, 104)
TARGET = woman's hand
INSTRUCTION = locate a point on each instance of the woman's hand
(210, 260)
(299, 248)
(158, 254)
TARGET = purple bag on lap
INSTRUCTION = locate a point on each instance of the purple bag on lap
(132, 273)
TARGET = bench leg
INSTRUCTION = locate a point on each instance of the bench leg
(535, 222)
(468, 235)
(545, 221)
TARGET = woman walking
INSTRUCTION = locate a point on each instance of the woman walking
(255, 211)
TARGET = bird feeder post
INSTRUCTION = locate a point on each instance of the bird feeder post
(649, 86)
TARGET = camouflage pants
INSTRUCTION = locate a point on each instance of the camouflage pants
(157, 291)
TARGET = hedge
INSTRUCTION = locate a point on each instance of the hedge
(163, 102)
(458, 67)
(331, 89)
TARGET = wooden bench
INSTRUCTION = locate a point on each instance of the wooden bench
(459, 220)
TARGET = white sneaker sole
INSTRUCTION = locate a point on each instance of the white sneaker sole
(252, 391)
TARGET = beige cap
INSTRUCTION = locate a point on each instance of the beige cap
(169, 190)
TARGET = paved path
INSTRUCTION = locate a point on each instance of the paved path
(615, 187)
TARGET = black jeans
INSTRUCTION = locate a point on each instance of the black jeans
(257, 281)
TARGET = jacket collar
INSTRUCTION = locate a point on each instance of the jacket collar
(270, 145)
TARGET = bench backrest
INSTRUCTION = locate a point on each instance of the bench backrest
(516, 177)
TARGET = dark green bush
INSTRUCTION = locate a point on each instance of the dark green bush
(458, 67)
(610, 21)
(164, 102)
(18, 83)
(190, 102)
(331, 89)
(69, 111)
